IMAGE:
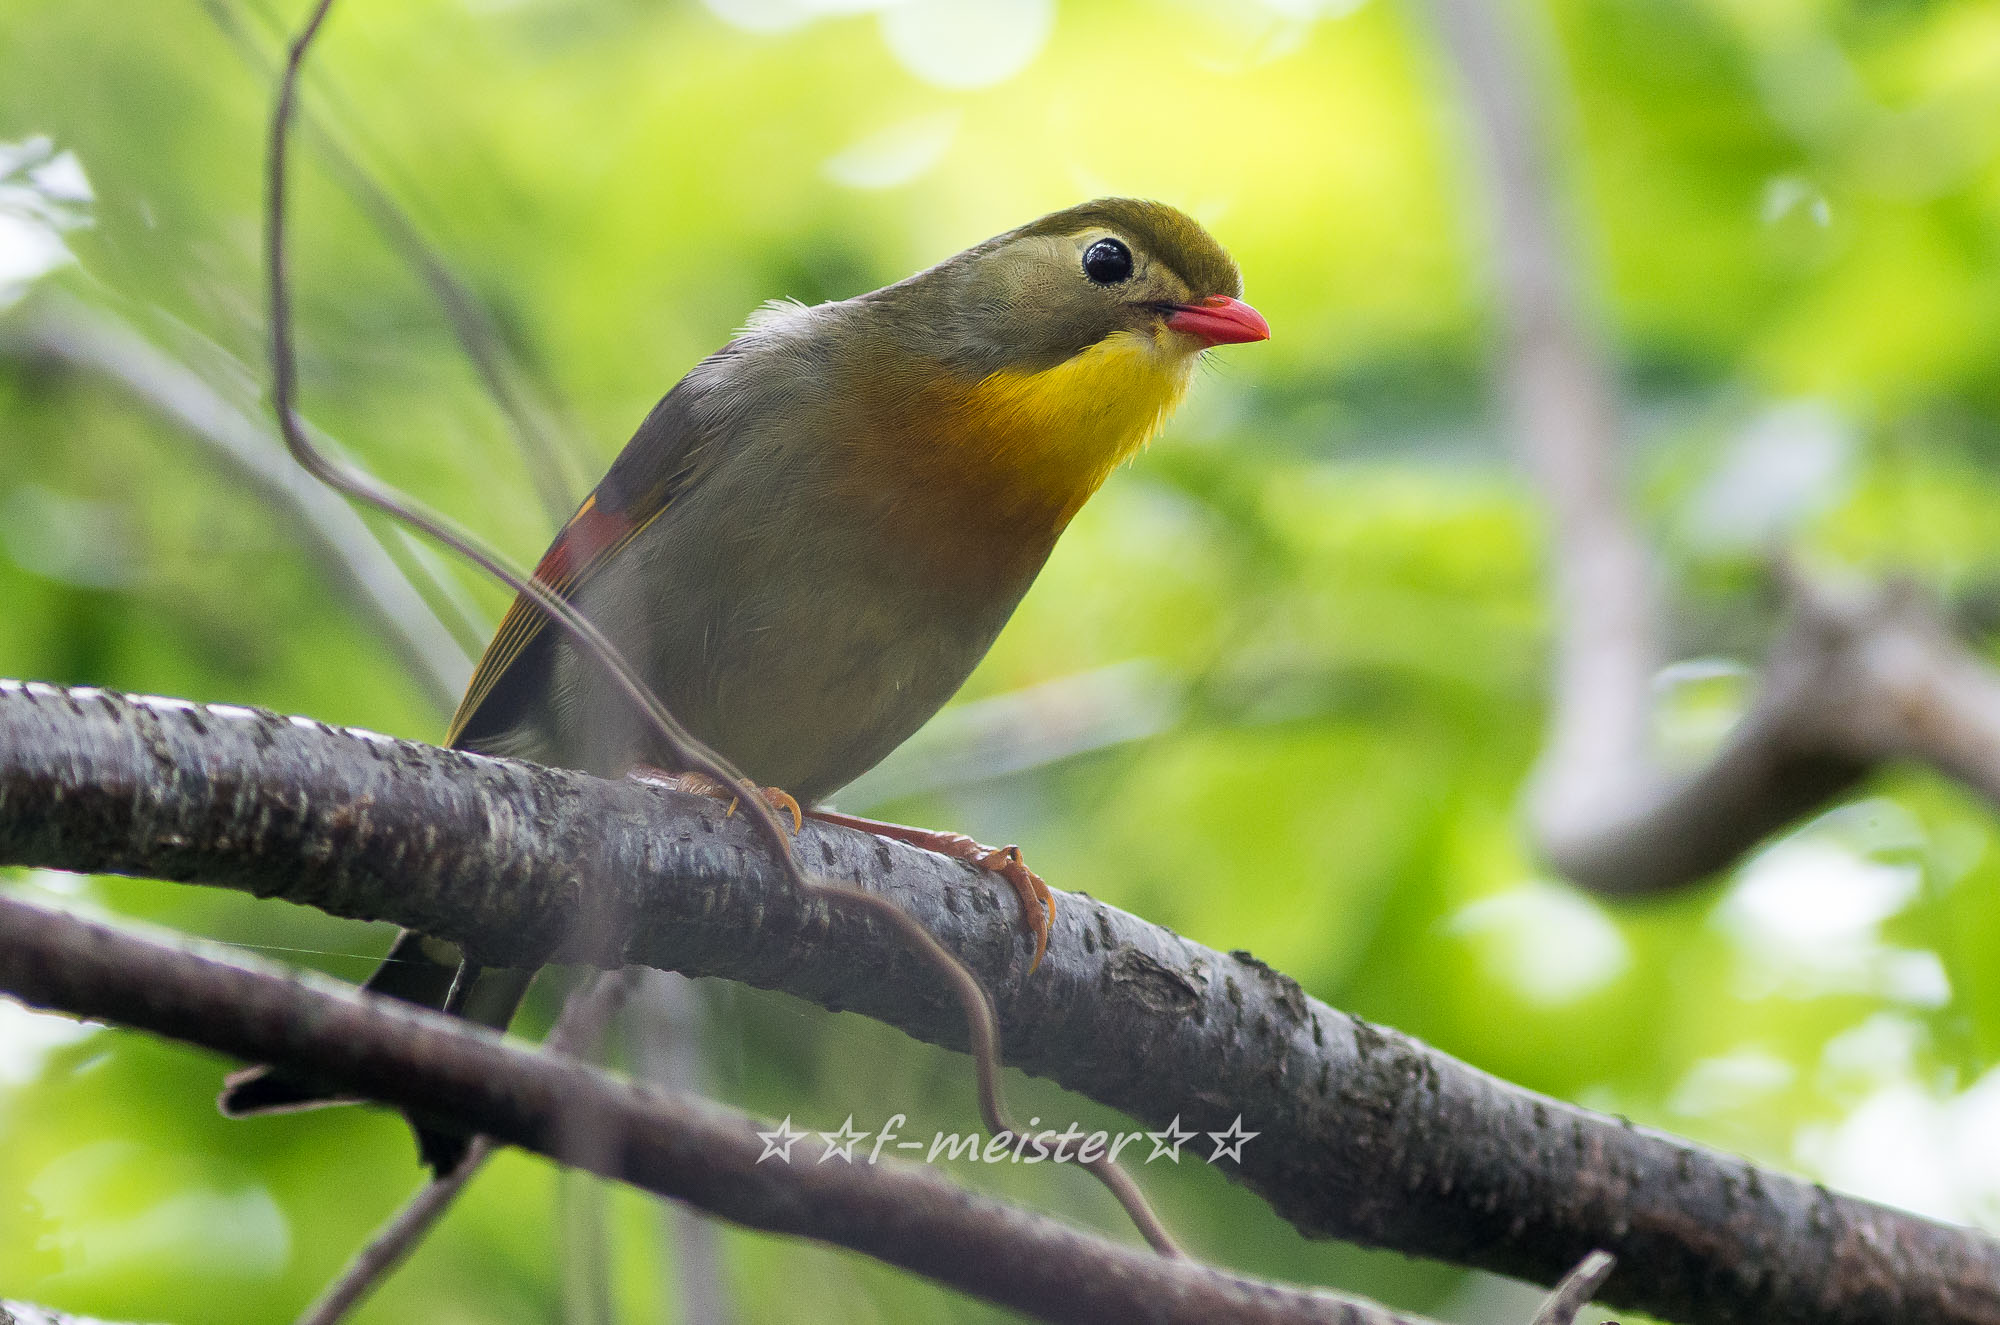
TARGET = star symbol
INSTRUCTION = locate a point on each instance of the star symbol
(1169, 1142)
(841, 1143)
(1230, 1143)
(779, 1143)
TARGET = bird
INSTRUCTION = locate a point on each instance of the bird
(818, 532)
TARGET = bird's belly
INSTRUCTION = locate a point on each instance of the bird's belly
(800, 662)
(813, 704)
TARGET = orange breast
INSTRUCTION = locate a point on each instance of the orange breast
(974, 481)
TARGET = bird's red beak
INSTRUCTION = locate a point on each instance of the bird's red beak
(1220, 320)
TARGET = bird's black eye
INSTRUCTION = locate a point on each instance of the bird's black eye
(1107, 262)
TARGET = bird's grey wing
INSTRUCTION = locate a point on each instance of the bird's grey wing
(662, 461)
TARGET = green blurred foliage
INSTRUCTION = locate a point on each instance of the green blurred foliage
(1328, 572)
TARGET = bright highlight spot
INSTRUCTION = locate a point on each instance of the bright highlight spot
(27, 1038)
(771, 16)
(193, 1231)
(43, 193)
(967, 43)
(1730, 1083)
(1790, 463)
(1806, 915)
(1550, 943)
(896, 155)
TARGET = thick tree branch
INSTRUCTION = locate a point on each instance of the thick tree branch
(1364, 1133)
(676, 1145)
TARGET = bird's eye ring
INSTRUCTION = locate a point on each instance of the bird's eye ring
(1107, 262)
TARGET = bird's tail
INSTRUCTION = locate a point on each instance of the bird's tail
(419, 970)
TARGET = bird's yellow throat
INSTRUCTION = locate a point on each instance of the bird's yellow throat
(977, 480)
(1059, 432)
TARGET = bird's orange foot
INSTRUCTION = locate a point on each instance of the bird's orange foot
(701, 784)
(1038, 904)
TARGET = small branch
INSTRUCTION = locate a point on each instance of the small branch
(1564, 411)
(67, 332)
(905, 1214)
(395, 1240)
(1857, 679)
(582, 1021)
(1573, 1294)
(665, 1025)
(1364, 1134)
(583, 1209)
(582, 1216)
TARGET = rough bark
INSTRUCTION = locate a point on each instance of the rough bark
(1365, 1134)
(673, 1144)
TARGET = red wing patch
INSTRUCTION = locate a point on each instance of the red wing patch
(588, 535)
(590, 538)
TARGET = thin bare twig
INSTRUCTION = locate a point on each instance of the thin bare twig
(665, 1024)
(438, 1068)
(582, 1020)
(1573, 1294)
(583, 1230)
(688, 753)
(582, 1205)
(549, 455)
(395, 1240)
(681, 744)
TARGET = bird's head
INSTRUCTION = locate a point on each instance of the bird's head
(1122, 270)
(1063, 345)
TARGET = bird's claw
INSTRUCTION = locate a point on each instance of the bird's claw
(1038, 904)
(780, 801)
(784, 803)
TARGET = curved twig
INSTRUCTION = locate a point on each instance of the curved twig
(545, 451)
(689, 753)
(1854, 679)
